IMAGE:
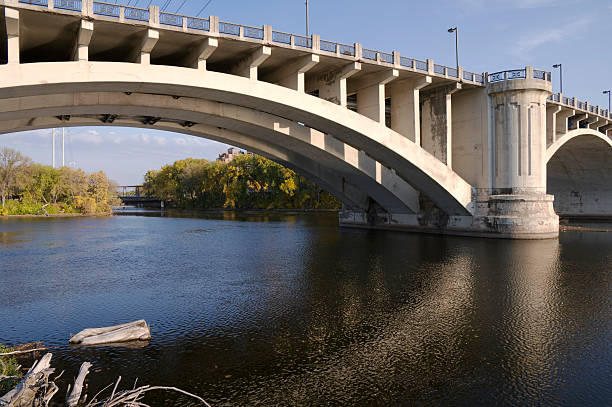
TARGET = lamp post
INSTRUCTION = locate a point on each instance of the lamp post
(609, 101)
(560, 66)
(456, 31)
(307, 20)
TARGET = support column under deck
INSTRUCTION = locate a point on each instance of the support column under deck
(11, 18)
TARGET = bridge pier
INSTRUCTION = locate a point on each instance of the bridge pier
(517, 204)
(510, 199)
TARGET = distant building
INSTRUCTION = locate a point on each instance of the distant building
(232, 153)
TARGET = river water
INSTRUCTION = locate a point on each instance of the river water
(291, 310)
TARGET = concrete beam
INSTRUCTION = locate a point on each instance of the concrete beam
(11, 18)
(332, 85)
(148, 43)
(597, 123)
(551, 122)
(405, 112)
(373, 79)
(371, 94)
(81, 47)
(206, 49)
(292, 75)
(248, 66)
(437, 122)
(576, 121)
(561, 121)
(606, 128)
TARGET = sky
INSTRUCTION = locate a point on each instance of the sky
(494, 35)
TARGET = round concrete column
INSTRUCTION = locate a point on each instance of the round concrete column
(517, 204)
(518, 116)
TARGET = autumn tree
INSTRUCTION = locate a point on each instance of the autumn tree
(11, 164)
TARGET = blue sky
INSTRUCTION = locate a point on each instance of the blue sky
(494, 35)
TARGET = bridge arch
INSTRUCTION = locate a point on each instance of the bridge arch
(275, 121)
(343, 187)
(579, 174)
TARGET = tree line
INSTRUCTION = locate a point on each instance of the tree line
(246, 182)
(28, 188)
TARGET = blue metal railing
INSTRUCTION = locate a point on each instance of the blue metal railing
(407, 62)
(368, 54)
(420, 65)
(253, 32)
(171, 19)
(571, 102)
(281, 37)
(72, 5)
(386, 57)
(347, 50)
(229, 28)
(138, 14)
(106, 9)
(301, 41)
(328, 46)
(439, 69)
(35, 2)
(196, 23)
(508, 75)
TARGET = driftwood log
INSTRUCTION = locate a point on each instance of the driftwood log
(75, 396)
(37, 389)
(132, 331)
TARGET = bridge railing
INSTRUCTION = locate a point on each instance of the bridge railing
(126, 12)
(43, 3)
(291, 39)
(106, 9)
(73, 5)
(508, 75)
(578, 104)
(137, 14)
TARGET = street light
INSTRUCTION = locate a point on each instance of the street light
(307, 21)
(609, 100)
(456, 31)
(560, 66)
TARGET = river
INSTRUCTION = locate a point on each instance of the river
(291, 310)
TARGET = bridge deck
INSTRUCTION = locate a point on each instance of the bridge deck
(179, 38)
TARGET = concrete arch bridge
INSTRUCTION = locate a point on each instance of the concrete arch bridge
(405, 144)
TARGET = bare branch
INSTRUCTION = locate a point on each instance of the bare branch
(17, 352)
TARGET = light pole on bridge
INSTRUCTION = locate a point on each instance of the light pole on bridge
(456, 31)
(609, 101)
(560, 66)
(307, 20)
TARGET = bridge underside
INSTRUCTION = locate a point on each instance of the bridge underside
(580, 178)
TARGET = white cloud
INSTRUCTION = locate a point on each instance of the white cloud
(89, 136)
(160, 140)
(528, 42)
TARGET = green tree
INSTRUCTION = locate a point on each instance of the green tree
(247, 182)
(12, 163)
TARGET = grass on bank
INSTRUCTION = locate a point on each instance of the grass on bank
(9, 371)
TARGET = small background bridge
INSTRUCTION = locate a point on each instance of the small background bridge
(132, 195)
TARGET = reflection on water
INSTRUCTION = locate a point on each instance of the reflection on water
(288, 309)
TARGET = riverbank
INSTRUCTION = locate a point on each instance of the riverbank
(60, 215)
(226, 210)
